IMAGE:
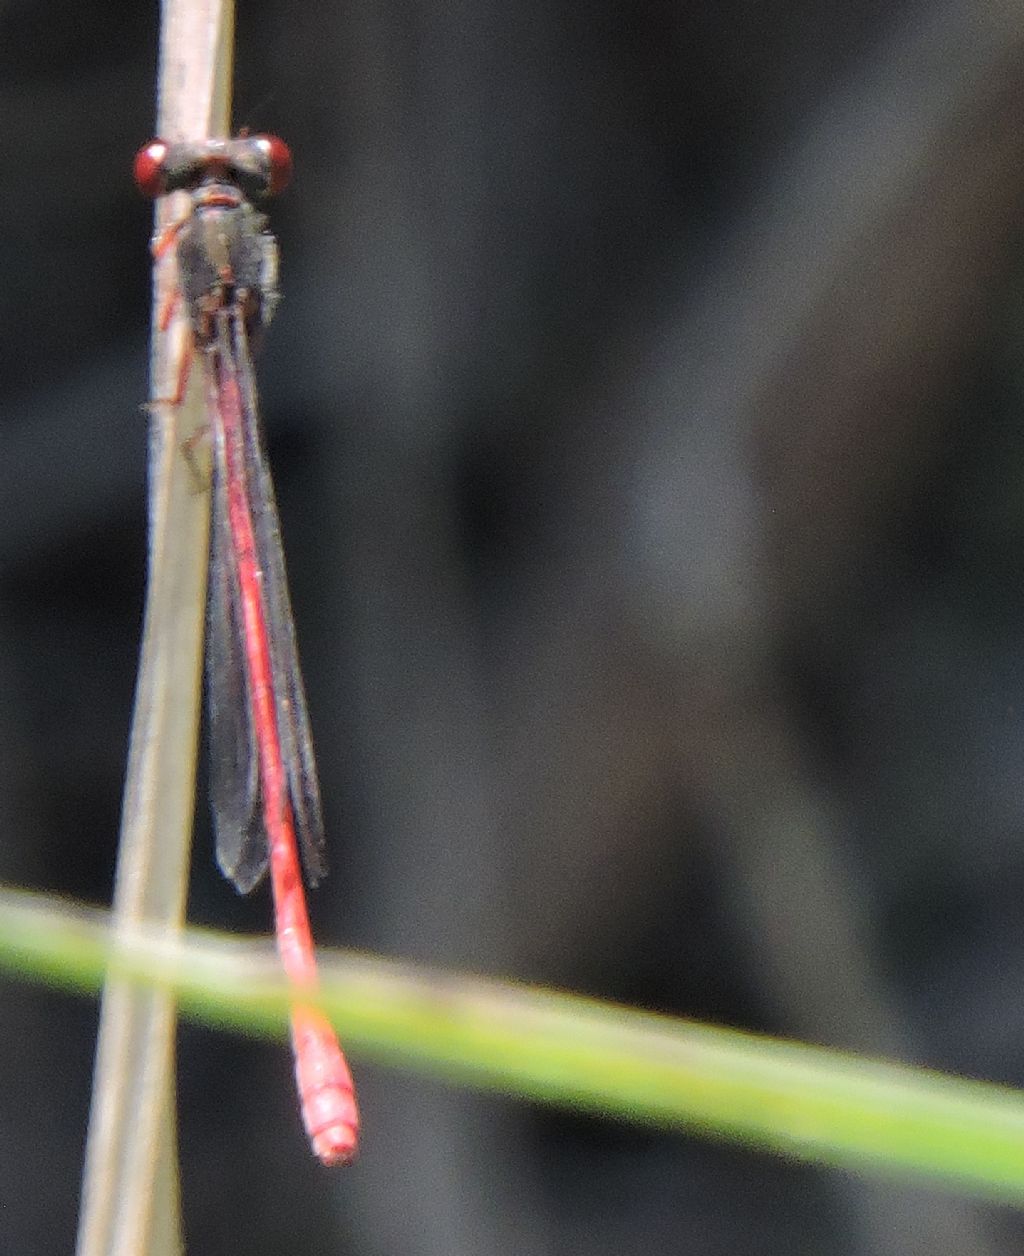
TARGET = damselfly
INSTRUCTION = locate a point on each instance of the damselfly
(263, 779)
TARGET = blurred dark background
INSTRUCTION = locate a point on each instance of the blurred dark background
(646, 414)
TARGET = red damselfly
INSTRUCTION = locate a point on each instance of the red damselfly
(263, 781)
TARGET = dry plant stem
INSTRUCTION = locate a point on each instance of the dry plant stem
(130, 1192)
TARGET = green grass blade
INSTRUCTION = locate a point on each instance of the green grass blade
(808, 1103)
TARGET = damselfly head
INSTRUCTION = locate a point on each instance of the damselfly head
(258, 165)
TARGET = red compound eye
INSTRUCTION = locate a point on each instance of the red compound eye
(149, 169)
(278, 157)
